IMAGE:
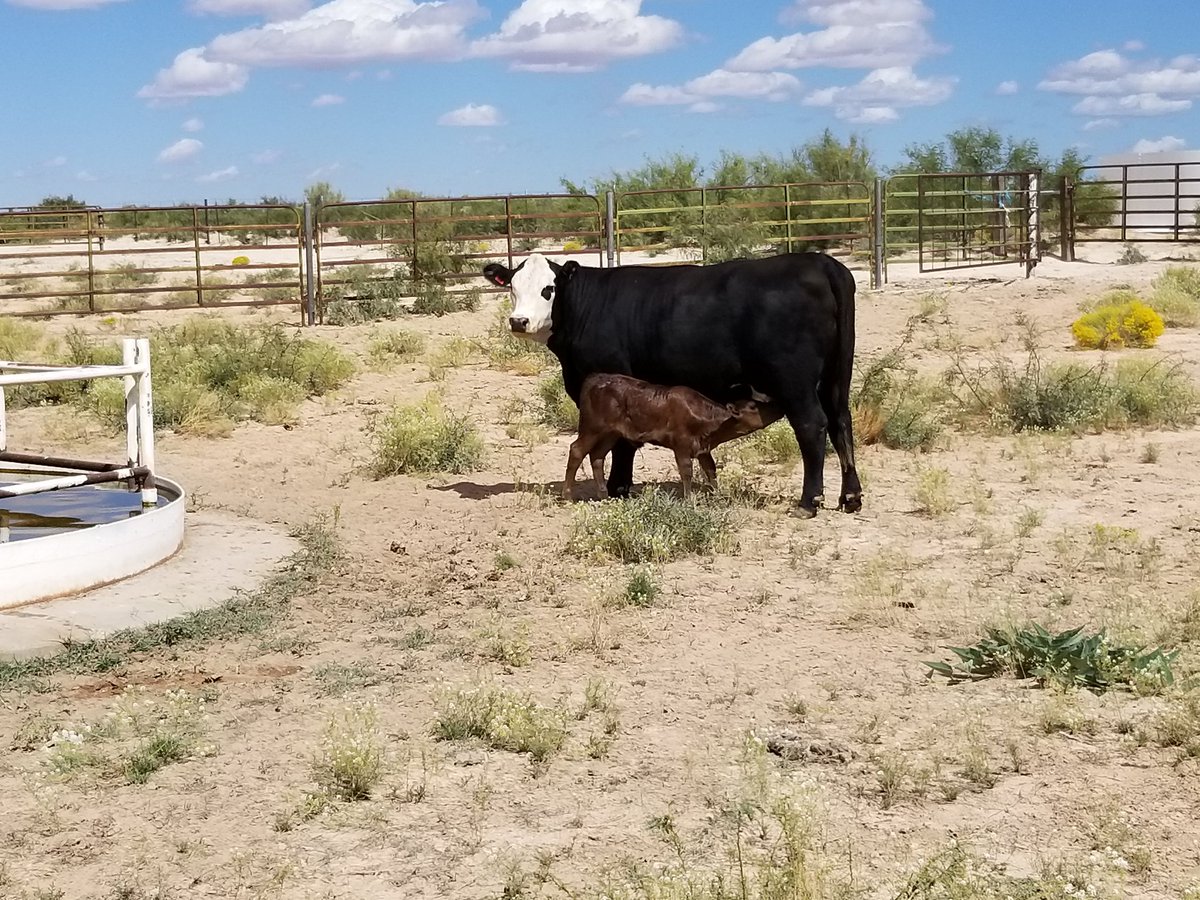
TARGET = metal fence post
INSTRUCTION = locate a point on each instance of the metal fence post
(3, 424)
(879, 243)
(145, 423)
(1066, 213)
(610, 226)
(310, 286)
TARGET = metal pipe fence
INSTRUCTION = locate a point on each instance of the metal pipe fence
(138, 469)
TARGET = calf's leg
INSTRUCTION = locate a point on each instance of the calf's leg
(684, 461)
(709, 467)
(579, 449)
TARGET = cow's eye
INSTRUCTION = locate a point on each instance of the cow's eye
(547, 292)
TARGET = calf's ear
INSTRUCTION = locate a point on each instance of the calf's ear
(497, 274)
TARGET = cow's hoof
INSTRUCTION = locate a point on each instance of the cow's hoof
(801, 511)
(620, 491)
(850, 503)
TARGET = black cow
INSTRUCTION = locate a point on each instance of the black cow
(783, 325)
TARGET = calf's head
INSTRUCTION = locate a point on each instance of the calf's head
(746, 416)
(533, 284)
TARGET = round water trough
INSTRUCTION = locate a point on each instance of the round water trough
(55, 551)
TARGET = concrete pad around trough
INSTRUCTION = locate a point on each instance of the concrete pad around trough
(221, 555)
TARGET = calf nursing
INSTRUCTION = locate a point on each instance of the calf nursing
(615, 407)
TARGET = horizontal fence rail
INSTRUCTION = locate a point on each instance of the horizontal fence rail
(79, 262)
(1134, 202)
(415, 251)
(709, 224)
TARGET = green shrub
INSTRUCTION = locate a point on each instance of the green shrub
(209, 374)
(555, 407)
(1072, 396)
(1068, 658)
(1109, 327)
(891, 406)
(1176, 295)
(651, 527)
(432, 298)
(423, 438)
(395, 346)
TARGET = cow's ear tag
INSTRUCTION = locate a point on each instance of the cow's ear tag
(496, 275)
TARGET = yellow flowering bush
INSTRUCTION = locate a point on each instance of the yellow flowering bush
(1111, 327)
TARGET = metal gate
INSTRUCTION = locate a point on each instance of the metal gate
(1152, 202)
(960, 220)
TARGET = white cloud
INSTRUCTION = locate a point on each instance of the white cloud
(881, 91)
(181, 150)
(55, 162)
(471, 115)
(193, 125)
(323, 171)
(868, 115)
(577, 35)
(193, 75)
(1162, 145)
(328, 100)
(268, 9)
(63, 4)
(1093, 124)
(266, 157)
(1133, 46)
(85, 175)
(858, 34)
(219, 175)
(347, 32)
(1133, 105)
(699, 93)
(1114, 85)
(1006, 88)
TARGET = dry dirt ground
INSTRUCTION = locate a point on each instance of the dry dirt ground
(815, 629)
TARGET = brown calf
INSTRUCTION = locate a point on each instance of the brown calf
(612, 407)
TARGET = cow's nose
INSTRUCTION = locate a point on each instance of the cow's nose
(519, 325)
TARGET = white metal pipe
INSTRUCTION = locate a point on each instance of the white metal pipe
(82, 373)
(54, 484)
(145, 423)
(3, 424)
(129, 357)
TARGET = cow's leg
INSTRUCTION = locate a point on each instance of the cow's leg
(807, 419)
(684, 461)
(841, 434)
(708, 466)
(620, 474)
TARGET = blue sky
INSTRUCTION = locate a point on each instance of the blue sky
(169, 101)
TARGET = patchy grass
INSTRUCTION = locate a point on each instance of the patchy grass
(654, 526)
(424, 438)
(554, 407)
(892, 406)
(1142, 392)
(351, 761)
(241, 615)
(388, 347)
(210, 374)
(509, 353)
(502, 719)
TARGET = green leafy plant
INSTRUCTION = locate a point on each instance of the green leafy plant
(1068, 658)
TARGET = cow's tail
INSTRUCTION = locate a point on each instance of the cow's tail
(840, 368)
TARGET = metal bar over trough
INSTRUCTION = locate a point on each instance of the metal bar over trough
(139, 424)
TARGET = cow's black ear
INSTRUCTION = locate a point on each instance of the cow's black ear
(497, 274)
(570, 267)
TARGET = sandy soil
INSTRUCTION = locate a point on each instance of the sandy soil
(818, 627)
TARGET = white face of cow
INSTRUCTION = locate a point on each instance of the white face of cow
(532, 285)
